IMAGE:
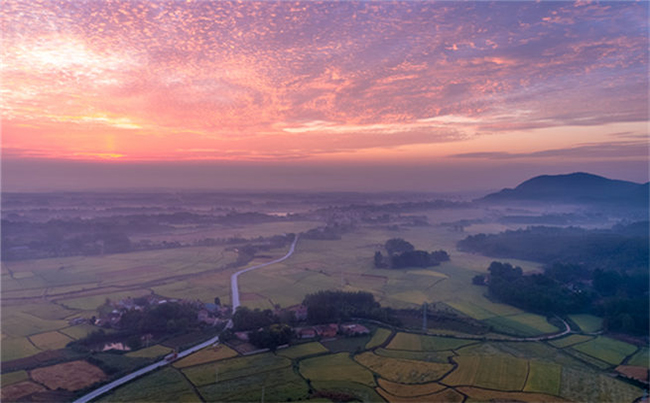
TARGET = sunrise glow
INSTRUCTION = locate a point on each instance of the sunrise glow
(170, 81)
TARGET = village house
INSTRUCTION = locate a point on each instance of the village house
(354, 329)
(305, 333)
(330, 330)
(300, 312)
(243, 336)
(204, 316)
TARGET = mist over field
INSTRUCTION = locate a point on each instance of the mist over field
(523, 293)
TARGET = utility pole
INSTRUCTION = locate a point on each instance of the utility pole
(216, 374)
(263, 386)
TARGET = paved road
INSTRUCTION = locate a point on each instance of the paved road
(233, 279)
(235, 303)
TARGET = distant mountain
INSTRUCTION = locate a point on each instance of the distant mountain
(577, 187)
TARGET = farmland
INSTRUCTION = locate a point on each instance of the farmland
(494, 372)
(69, 376)
(164, 385)
(544, 377)
(445, 396)
(587, 323)
(641, 358)
(335, 367)
(234, 368)
(278, 386)
(403, 371)
(417, 342)
(206, 355)
(605, 349)
(570, 340)
(50, 340)
(14, 377)
(398, 389)
(150, 352)
(378, 338)
(302, 350)
(400, 364)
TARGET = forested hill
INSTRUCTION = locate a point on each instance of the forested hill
(577, 187)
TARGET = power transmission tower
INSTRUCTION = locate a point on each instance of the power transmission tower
(424, 317)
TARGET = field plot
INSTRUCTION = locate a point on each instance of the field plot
(80, 331)
(638, 373)
(221, 352)
(285, 285)
(426, 356)
(185, 340)
(417, 342)
(233, 368)
(570, 340)
(587, 323)
(19, 390)
(586, 358)
(483, 395)
(587, 386)
(640, 359)
(62, 275)
(13, 377)
(472, 310)
(150, 352)
(121, 363)
(50, 340)
(302, 350)
(47, 311)
(16, 322)
(346, 344)
(526, 324)
(403, 371)
(500, 372)
(15, 348)
(544, 377)
(364, 393)
(379, 337)
(399, 389)
(70, 376)
(205, 288)
(166, 385)
(444, 396)
(278, 386)
(606, 349)
(335, 367)
(250, 230)
(94, 301)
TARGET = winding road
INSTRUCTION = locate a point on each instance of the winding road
(235, 304)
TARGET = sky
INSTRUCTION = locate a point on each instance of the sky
(349, 95)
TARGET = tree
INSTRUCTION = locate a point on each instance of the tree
(479, 279)
(398, 245)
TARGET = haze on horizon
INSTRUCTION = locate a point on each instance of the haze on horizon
(320, 95)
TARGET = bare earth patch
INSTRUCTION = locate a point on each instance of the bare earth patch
(71, 376)
(638, 373)
(14, 392)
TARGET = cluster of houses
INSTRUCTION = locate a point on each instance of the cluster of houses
(208, 313)
(331, 330)
(326, 331)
